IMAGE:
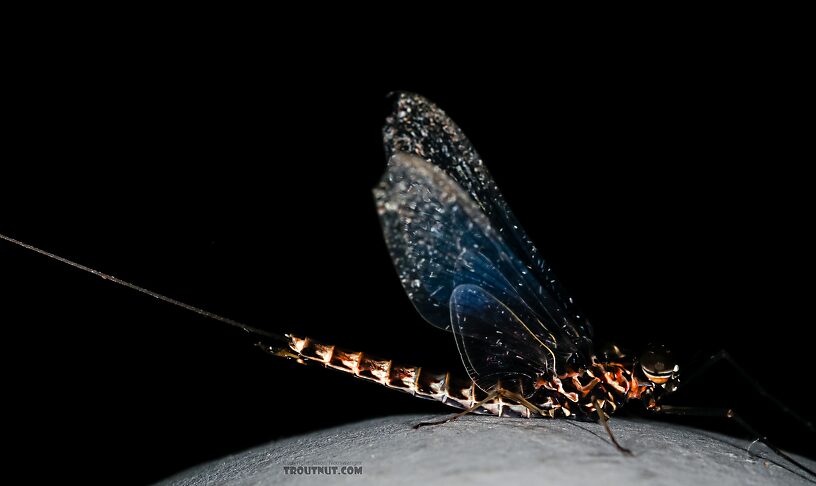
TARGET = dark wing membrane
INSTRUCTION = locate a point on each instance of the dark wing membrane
(488, 333)
(513, 287)
(417, 126)
(439, 239)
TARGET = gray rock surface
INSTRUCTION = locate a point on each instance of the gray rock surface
(478, 450)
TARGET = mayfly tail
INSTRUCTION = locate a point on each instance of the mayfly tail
(155, 295)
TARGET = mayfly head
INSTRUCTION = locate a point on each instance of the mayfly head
(660, 367)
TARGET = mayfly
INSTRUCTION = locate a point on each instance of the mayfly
(469, 268)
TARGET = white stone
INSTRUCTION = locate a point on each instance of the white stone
(485, 450)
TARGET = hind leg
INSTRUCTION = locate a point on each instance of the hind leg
(493, 395)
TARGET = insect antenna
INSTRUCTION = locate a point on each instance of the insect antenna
(155, 295)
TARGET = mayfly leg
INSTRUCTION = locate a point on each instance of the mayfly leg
(493, 395)
(723, 356)
(490, 396)
(729, 414)
(605, 422)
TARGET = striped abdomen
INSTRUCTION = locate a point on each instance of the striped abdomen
(446, 388)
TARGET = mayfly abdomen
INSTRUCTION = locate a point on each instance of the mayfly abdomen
(444, 387)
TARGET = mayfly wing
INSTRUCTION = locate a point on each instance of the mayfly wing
(489, 335)
(439, 239)
(418, 126)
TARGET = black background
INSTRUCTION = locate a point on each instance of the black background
(671, 196)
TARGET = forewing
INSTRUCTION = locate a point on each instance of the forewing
(439, 239)
(419, 127)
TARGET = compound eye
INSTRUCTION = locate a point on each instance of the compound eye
(658, 365)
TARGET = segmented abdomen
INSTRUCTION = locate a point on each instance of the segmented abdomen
(441, 386)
